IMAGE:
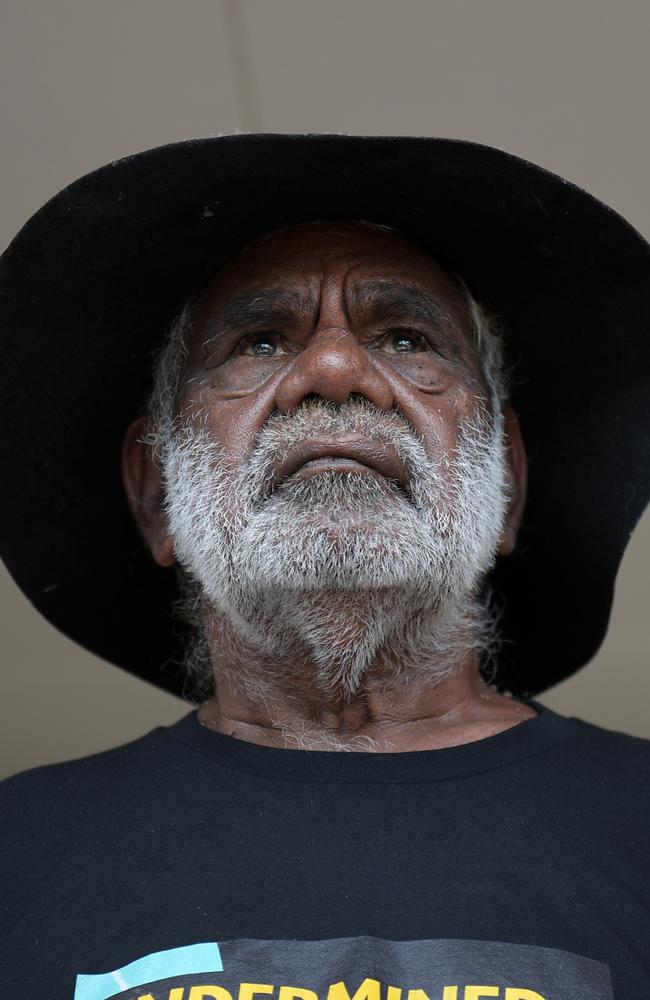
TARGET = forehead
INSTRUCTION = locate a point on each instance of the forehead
(304, 256)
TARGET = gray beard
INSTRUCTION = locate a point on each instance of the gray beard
(371, 585)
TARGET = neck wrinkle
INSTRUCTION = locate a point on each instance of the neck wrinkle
(278, 699)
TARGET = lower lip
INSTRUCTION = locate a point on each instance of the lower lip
(348, 465)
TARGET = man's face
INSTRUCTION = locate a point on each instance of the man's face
(334, 438)
(331, 311)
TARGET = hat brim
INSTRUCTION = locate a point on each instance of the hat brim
(89, 288)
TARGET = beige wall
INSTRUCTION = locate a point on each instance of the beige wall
(84, 81)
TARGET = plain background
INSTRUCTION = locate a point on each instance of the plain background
(563, 83)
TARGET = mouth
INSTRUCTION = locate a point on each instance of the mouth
(350, 456)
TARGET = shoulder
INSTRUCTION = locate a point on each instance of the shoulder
(51, 814)
(46, 807)
(612, 749)
(57, 780)
(606, 774)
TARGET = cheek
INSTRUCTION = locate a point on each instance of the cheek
(233, 423)
(237, 376)
(439, 431)
(437, 419)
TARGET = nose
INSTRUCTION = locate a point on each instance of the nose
(334, 366)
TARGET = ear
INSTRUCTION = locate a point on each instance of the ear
(144, 487)
(517, 475)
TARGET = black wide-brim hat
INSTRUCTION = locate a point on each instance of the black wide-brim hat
(91, 284)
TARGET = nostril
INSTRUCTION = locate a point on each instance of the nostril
(312, 399)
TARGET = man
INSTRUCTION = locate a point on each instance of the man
(332, 466)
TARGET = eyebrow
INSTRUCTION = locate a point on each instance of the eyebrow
(270, 305)
(377, 299)
(380, 298)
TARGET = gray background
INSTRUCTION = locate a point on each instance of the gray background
(564, 84)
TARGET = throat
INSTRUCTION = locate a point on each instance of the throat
(343, 679)
(458, 711)
(333, 650)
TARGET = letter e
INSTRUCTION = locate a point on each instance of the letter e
(247, 991)
(296, 993)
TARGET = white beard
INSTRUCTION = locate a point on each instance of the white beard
(345, 570)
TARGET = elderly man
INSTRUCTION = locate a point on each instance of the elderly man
(331, 460)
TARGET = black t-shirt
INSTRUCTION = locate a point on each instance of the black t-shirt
(189, 866)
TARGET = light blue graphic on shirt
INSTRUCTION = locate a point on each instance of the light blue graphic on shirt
(189, 960)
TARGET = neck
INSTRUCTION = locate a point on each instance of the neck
(399, 702)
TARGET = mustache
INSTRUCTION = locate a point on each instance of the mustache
(320, 420)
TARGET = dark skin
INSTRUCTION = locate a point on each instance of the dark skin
(332, 310)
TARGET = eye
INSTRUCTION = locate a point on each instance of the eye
(262, 345)
(404, 340)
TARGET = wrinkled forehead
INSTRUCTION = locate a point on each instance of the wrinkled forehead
(353, 253)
